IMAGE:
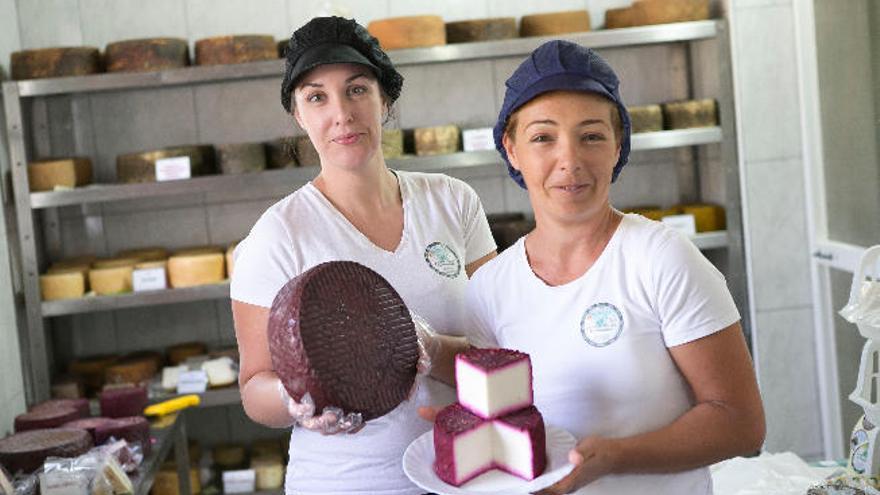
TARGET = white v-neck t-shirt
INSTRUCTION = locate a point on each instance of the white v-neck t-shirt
(599, 344)
(444, 229)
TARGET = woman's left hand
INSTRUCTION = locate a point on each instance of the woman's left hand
(592, 458)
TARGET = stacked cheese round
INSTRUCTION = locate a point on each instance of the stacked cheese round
(494, 424)
(197, 266)
(409, 32)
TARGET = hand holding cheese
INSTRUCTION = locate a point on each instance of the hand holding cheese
(331, 421)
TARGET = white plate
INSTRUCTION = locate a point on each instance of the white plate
(418, 464)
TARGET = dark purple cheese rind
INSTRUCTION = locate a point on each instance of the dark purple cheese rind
(488, 359)
(123, 402)
(451, 421)
(89, 424)
(529, 419)
(135, 429)
(39, 419)
(81, 405)
(26, 451)
(340, 332)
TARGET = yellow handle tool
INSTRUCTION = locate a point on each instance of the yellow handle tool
(173, 405)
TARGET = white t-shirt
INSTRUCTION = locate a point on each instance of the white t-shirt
(444, 229)
(598, 344)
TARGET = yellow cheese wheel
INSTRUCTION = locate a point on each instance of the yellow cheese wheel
(409, 32)
(62, 284)
(437, 140)
(166, 481)
(230, 258)
(572, 21)
(189, 269)
(666, 11)
(135, 371)
(647, 118)
(690, 113)
(620, 18)
(146, 55)
(392, 143)
(145, 254)
(111, 280)
(707, 217)
(269, 472)
(46, 175)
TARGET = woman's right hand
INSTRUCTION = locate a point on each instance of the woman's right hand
(331, 421)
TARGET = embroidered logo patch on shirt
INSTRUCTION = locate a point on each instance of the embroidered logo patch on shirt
(601, 324)
(442, 259)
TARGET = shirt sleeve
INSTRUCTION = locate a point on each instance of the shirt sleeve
(692, 296)
(477, 236)
(480, 331)
(263, 262)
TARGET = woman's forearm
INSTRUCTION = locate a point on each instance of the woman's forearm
(708, 433)
(262, 401)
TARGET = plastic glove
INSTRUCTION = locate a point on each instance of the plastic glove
(429, 344)
(331, 421)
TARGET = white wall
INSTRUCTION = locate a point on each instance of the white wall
(772, 164)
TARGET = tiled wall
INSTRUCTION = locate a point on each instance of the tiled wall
(763, 44)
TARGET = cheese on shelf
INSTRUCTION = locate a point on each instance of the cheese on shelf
(437, 140)
(647, 118)
(144, 55)
(690, 113)
(47, 175)
(572, 21)
(499, 28)
(111, 280)
(54, 62)
(238, 158)
(220, 371)
(196, 267)
(409, 32)
(230, 258)
(63, 284)
(235, 49)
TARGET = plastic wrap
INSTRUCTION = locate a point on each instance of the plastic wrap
(331, 421)
(429, 344)
(863, 308)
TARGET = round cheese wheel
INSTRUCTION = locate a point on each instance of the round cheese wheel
(281, 153)
(707, 217)
(573, 21)
(45, 418)
(62, 284)
(120, 402)
(189, 269)
(88, 424)
(438, 140)
(667, 11)
(409, 32)
(235, 49)
(620, 18)
(144, 55)
(134, 429)
(241, 157)
(647, 118)
(691, 113)
(27, 450)
(141, 167)
(55, 62)
(341, 333)
(500, 28)
(392, 143)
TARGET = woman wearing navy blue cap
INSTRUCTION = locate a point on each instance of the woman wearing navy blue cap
(424, 233)
(634, 338)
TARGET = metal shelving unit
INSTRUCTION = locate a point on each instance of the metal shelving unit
(167, 437)
(32, 206)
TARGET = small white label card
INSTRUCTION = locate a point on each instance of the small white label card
(149, 279)
(192, 382)
(174, 168)
(478, 139)
(241, 481)
(682, 223)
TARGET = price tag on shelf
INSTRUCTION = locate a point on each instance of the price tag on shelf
(682, 223)
(173, 168)
(149, 279)
(192, 382)
(478, 139)
(241, 481)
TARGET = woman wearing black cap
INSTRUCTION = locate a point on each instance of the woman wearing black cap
(635, 341)
(424, 233)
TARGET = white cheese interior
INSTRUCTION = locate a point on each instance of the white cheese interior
(473, 450)
(489, 393)
(493, 441)
(512, 449)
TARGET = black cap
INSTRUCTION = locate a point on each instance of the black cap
(335, 40)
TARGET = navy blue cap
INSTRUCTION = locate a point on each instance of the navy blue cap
(561, 66)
